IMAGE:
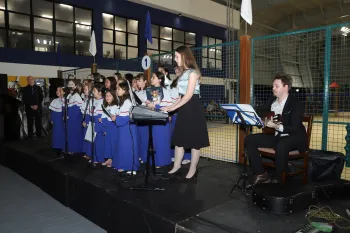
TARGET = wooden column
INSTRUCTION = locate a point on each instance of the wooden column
(244, 84)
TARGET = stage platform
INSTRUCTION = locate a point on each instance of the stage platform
(104, 197)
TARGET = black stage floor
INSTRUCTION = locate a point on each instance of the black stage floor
(103, 196)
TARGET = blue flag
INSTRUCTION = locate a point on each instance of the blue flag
(148, 29)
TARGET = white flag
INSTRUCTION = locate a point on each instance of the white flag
(92, 48)
(246, 11)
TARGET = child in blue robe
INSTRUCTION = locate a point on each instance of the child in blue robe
(161, 131)
(74, 117)
(127, 156)
(86, 110)
(110, 127)
(96, 120)
(142, 127)
(58, 134)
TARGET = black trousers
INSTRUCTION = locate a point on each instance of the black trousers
(31, 115)
(282, 146)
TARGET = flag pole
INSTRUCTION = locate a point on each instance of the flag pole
(246, 28)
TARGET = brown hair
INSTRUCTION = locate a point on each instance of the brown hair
(142, 76)
(188, 61)
(114, 101)
(285, 80)
(113, 82)
(125, 86)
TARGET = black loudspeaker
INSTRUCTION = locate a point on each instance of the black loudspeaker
(3, 95)
(323, 165)
(54, 83)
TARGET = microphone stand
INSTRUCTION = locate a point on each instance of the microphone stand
(91, 98)
(65, 118)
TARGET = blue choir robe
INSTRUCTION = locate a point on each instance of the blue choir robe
(110, 130)
(95, 113)
(126, 157)
(74, 126)
(58, 133)
(86, 144)
(161, 135)
(174, 95)
(142, 130)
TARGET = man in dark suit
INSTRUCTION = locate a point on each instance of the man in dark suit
(289, 135)
(32, 98)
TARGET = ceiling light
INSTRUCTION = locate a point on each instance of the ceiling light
(2, 8)
(47, 16)
(64, 5)
(107, 15)
(345, 31)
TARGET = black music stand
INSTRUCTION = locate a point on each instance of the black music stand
(149, 119)
(245, 116)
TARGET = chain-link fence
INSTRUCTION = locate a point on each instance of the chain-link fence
(219, 66)
(318, 61)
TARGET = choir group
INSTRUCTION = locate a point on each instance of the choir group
(118, 142)
(97, 122)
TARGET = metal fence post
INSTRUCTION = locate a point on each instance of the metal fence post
(327, 67)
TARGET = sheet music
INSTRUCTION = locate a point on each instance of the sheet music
(248, 113)
(88, 134)
(106, 111)
(133, 102)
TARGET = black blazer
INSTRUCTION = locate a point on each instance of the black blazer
(292, 115)
(29, 98)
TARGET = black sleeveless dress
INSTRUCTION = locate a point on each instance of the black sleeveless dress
(190, 130)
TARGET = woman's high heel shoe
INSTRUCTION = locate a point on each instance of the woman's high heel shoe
(173, 176)
(193, 178)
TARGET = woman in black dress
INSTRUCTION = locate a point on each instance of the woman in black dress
(190, 128)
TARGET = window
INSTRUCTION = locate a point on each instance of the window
(166, 39)
(44, 24)
(120, 37)
(211, 55)
(2, 38)
(19, 6)
(2, 24)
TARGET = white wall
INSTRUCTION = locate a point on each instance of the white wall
(16, 69)
(203, 10)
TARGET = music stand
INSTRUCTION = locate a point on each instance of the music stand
(245, 116)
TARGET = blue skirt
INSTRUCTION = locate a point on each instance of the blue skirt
(74, 130)
(161, 143)
(127, 156)
(111, 138)
(58, 133)
(143, 136)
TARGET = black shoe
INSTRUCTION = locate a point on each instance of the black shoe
(173, 176)
(263, 178)
(193, 179)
